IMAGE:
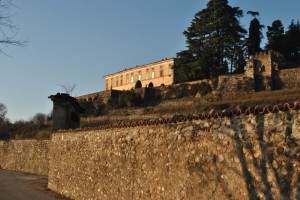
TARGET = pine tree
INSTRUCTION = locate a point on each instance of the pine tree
(293, 41)
(287, 43)
(214, 39)
(183, 72)
(276, 37)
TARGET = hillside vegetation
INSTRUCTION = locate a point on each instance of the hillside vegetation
(192, 105)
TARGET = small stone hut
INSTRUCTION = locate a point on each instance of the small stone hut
(66, 112)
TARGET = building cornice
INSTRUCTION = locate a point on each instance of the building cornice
(139, 67)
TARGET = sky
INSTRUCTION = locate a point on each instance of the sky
(80, 41)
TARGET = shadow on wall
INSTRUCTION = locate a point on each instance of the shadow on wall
(277, 81)
(265, 162)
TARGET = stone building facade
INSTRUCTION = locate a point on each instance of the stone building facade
(152, 74)
(102, 96)
(269, 69)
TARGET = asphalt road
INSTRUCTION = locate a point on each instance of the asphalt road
(20, 186)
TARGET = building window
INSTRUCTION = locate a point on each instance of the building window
(131, 78)
(140, 76)
(147, 74)
(170, 70)
(127, 78)
(112, 82)
(153, 73)
(121, 80)
(161, 71)
(117, 81)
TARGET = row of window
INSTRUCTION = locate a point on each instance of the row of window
(130, 78)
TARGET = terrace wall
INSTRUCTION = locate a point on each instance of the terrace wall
(30, 156)
(255, 156)
(241, 157)
(289, 78)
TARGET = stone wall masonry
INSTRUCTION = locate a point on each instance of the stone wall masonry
(289, 78)
(102, 96)
(242, 157)
(30, 156)
(229, 85)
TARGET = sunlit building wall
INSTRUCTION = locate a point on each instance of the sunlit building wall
(150, 75)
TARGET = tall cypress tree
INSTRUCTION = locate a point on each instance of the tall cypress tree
(213, 40)
(255, 35)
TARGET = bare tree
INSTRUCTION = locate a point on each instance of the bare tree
(39, 119)
(8, 30)
(68, 88)
(3, 111)
(4, 123)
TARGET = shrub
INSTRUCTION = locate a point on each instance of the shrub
(170, 93)
(150, 85)
(125, 99)
(44, 133)
(138, 84)
(202, 88)
(183, 90)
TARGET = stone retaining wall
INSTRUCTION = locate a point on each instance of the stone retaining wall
(231, 85)
(290, 78)
(243, 157)
(30, 156)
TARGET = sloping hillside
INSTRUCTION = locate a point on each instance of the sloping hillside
(193, 105)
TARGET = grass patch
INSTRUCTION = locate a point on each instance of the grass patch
(192, 105)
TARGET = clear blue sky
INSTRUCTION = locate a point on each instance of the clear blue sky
(80, 41)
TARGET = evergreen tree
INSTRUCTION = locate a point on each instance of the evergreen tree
(293, 41)
(213, 40)
(287, 43)
(183, 72)
(138, 84)
(276, 37)
(239, 62)
(255, 35)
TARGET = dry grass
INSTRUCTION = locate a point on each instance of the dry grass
(193, 105)
(265, 97)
